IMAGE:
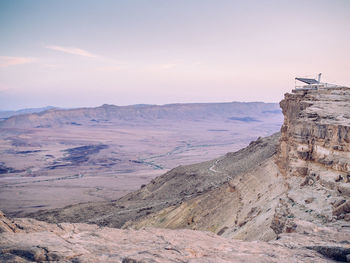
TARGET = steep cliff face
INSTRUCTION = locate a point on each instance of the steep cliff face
(315, 141)
(316, 132)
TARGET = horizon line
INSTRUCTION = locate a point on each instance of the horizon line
(50, 107)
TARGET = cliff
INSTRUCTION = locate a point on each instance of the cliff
(315, 136)
(315, 140)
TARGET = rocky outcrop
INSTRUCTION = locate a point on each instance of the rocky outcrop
(6, 225)
(36, 241)
(315, 141)
(315, 135)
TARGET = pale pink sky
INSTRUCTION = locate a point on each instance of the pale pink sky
(87, 53)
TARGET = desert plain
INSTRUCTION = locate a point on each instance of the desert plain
(47, 163)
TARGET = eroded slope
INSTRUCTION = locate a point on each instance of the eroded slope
(173, 188)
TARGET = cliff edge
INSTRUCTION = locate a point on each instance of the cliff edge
(315, 143)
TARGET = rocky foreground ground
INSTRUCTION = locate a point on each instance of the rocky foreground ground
(284, 198)
(29, 240)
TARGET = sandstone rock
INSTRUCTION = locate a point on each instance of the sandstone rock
(282, 218)
(6, 225)
(316, 132)
(342, 209)
(315, 144)
(344, 189)
(42, 242)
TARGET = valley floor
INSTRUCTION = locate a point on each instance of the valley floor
(45, 168)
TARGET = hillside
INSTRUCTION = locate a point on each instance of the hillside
(307, 180)
(174, 187)
(5, 114)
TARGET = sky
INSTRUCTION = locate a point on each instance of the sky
(87, 53)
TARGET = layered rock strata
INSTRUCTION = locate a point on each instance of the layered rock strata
(315, 135)
(315, 140)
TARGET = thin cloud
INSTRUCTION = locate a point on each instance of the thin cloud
(73, 51)
(11, 61)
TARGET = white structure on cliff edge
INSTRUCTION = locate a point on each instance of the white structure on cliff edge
(313, 83)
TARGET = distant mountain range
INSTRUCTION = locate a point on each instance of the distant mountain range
(140, 114)
(8, 114)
